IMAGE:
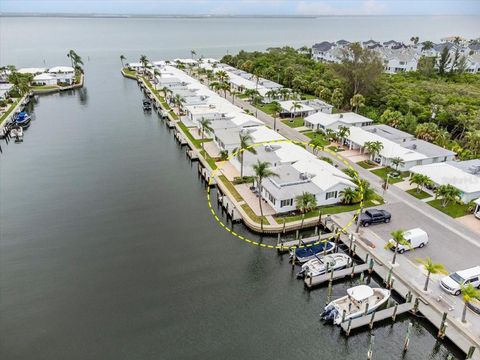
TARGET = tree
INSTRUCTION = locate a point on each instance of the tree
(305, 203)
(295, 106)
(262, 171)
(222, 76)
(396, 162)
(426, 65)
(144, 62)
(342, 133)
(348, 195)
(76, 60)
(223, 155)
(276, 110)
(392, 118)
(316, 143)
(427, 45)
(444, 61)
(337, 98)
(122, 59)
(398, 237)
(360, 69)
(420, 180)
(193, 53)
(427, 131)
(326, 94)
(448, 193)
(431, 268)
(245, 145)
(469, 293)
(178, 100)
(373, 147)
(205, 125)
(357, 101)
(415, 40)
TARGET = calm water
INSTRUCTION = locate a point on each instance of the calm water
(107, 248)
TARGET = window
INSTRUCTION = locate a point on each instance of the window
(331, 194)
(288, 202)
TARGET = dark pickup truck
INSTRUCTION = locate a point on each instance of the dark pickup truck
(374, 216)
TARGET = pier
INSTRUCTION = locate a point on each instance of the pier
(285, 246)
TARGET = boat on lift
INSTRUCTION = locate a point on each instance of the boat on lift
(23, 119)
(323, 264)
(309, 252)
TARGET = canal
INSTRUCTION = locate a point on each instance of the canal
(108, 250)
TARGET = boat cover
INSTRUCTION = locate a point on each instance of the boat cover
(360, 292)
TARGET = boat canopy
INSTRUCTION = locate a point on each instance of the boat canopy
(360, 292)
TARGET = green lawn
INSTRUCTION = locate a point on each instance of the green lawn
(231, 188)
(10, 109)
(211, 161)
(421, 195)
(382, 172)
(330, 210)
(45, 87)
(367, 164)
(129, 72)
(254, 216)
(335, 148)
(452, 209)
(294, 123)
(308, 97)
(266, 108)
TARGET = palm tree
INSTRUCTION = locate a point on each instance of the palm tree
(469, 293)
(398, 236)
(427, 45)
(205, 125)
(225, 87)
(295, 106)
(252, 94)
(262, 171)
(284, 92)
(166, 91)
(178, 100)
(193, 53)
(122, 59)
(233, 93)
(222, 76)
(271, 94)
(71, 54)
(276, 109)
(431, 268)
(447, 193)
(144, 62)
(342, 133)
(348, 195)
(373, 147)
(245, 145)
(330, 134)
(357, 101)
(210, 76)
(305, 203)
(397, 161)
(316, 143)
(420, 180)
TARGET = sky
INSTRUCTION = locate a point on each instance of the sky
(246, 7)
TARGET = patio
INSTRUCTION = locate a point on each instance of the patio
(211, 148)
(252, 200)
(229, 170)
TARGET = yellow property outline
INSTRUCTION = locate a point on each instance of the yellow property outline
(253, 242)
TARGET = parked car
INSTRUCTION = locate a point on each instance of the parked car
(454, 282)
(374, 216)
(416, 238)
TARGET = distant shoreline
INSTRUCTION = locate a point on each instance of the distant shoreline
(178, 16)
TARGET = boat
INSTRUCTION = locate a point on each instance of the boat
(306, 253)
(360, 300)
(323, 264)
(16, 132)
(147, 105)
(23, 119)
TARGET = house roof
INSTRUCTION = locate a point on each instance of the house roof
(325, 176)
(427, 148)
(389, 132)
(61, 69)
(31, 70)
(6, 87)
(349, 118)
(445, 173)
(323, 46)
(469, 166)
(287, 106)
(43, 76)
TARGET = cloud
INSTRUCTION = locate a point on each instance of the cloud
(364, 7)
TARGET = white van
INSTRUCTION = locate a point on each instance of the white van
(417, 238)
(454, 282)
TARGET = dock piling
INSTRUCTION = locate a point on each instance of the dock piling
(349, 327)
(407, 337)
(372, 319)
(443, 326)
(366, 308)
(394, 315)
(416, 304)
(370, 347)
(470, 352)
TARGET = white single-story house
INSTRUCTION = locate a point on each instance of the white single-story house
(413, 151)
(447, 173)
(135, 66)
(229, 139)
(63, 74)
(322, 121)
(312, 176)
(4, 90)
(44, 79)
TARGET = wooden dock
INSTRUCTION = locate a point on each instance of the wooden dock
(311, 282)
(370, 319)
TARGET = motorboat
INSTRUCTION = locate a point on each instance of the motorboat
(16, 132)
(23, 119)
(307, 252)
(147, 105)
(323, 264)
(360, 300)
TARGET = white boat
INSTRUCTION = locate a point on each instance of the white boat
(17, 133)
(324, 264)
(355, 303)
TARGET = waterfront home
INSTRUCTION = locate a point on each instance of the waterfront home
(44, 79)
(63, 74)
(5, 90)
(134, 66)
(304, 108)
(399, 60)
(229, 139)
(463, 175)
(397, 144)
(305, 176)
(322, 121)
